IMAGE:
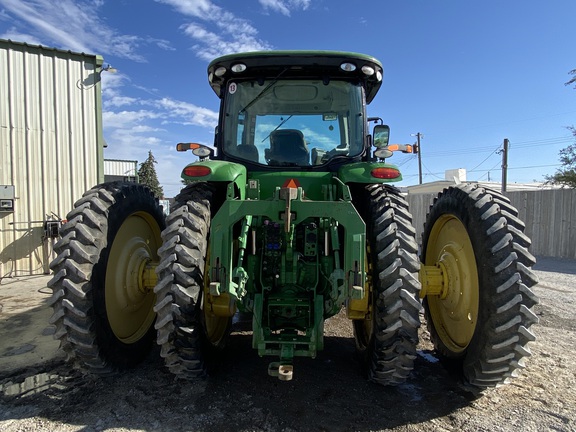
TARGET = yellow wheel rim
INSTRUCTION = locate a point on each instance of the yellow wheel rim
(368, 324)
(129, 304)
(215, 326)
(363, 328)
(455, 311)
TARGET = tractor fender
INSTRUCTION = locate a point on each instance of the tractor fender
(362, 172)
(218, 171)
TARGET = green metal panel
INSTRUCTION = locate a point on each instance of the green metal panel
(360, 172)
(311, 182)
(309, 304)
(232, 211)
(221, 171)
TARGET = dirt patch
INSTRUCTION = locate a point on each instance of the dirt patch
(328, 393)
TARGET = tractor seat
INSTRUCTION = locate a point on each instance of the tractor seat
(248, 152)
(287, 146)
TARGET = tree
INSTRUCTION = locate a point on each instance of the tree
(566, 175)
(573, 80)
(147, 175)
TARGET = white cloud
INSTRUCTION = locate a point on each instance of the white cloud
(127, 120)
(187, 113)
(112, 96)
(162, 44)
(285, 6)
(72, 25)
(17, 36)
(117, 100)
(215, 30)
(194, 8)
(211, 45)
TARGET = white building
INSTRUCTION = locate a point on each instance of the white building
(51, 147)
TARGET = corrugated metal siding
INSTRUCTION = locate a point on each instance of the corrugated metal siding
(550, 220)
(50, 144)
(120, 168)
(549, 216)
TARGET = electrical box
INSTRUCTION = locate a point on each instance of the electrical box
(52, 228)
(7, 198)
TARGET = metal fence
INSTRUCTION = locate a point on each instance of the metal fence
(549, 215)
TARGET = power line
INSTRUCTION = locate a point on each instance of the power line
(437, 174)
(557, 140)
(514, 145)
(535, 166)
(489, 156)
(488, 172)
(431, 173)
(459, 151)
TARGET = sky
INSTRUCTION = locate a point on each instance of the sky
(464, 74)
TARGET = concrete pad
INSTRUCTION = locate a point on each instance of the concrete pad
(26, 336)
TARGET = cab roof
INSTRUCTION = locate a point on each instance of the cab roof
(297, 64)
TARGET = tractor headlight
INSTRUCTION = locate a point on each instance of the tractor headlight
(220, 71)
(238, 67)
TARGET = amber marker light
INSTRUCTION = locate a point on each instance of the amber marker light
(181, 147)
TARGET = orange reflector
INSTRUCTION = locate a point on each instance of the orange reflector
(197, 171)
(404, 148)
(385, 173)
(186, 146)
(291, 183)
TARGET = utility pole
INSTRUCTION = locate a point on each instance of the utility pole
(505, 164)
(419, 152)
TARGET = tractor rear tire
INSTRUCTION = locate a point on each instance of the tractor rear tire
(103, 315)
(480, 324)
(187, 333)
(387, 340)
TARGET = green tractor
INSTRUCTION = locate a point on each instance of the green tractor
(290, 219)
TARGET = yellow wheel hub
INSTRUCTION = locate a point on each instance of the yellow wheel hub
(450, 283)
(361, 311)
(216, 326)
(217, 309)
(129, 277)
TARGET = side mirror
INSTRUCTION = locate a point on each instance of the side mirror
(381, 135)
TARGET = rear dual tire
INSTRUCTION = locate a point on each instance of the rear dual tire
(102, 313)
(387, 339)
(481, 324)
(188, 333)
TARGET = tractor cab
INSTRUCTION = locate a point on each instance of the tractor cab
(298, 110)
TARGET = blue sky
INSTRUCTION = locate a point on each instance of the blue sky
(465, 74)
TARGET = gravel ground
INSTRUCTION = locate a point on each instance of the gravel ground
(326, 394)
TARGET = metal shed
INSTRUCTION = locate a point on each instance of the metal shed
(120, 170)
(51, 147)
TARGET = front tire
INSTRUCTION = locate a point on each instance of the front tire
(480, 323)
(387, 340)
(103, 312)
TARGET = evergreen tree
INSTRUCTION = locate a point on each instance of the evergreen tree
(147, 175)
